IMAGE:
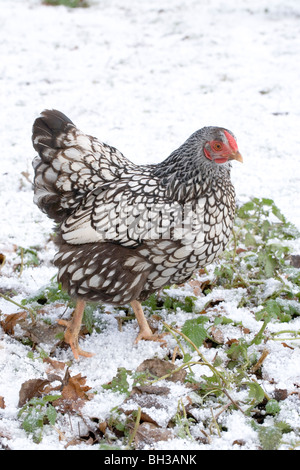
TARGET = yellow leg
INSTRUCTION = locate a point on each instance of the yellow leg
(145, 330)
(73, 329)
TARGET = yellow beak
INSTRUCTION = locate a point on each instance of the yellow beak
(236, 156)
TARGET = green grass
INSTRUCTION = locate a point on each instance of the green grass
(67, 3)
(36, 413)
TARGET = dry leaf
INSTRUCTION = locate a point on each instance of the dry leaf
(239, 442)
(260, 361)
(280, 394)
(10, 321)
(56, 365)
(287, 346)
(150, 389)
(75, 388)
(197, 287)
(146, 397)
(74, 393)
(2, 404)
(31, 388)
(148, 433)
(217, 335)
(246, 331)
(240, 250)
(159, 368)
(39, 332)
(231, 341)
(295, 261)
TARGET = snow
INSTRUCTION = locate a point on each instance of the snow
(142, 76)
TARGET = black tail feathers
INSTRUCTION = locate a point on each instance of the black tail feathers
(46, 131)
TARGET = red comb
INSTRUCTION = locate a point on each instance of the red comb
(231, 140)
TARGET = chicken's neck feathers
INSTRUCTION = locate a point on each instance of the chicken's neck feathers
(183, 176)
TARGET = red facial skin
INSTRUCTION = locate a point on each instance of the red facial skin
(220, 152)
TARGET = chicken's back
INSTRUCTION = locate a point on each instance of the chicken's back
(70, 164)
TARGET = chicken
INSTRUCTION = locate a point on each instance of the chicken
(124, 230)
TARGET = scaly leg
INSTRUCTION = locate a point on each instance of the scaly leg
(145, 330)
(73, 329)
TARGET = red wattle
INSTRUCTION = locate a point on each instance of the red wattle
(206, 152)
(220, 159)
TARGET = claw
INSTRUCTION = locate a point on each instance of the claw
(73, 329)
(145, 330)
(145, 335)
(72, 339)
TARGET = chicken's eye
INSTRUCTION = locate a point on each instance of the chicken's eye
(217, 146)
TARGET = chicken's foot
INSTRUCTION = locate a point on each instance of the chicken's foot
(73, 329)
(145, 330)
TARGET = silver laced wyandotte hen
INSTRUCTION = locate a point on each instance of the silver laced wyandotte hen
(124, 231)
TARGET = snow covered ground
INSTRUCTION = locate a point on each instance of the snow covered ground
(141, 76)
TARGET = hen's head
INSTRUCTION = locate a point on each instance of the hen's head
(206, 151)
(219, 145)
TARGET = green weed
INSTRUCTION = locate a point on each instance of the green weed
(36, 413)
(119, 383)
(67, 3)
(49, 294)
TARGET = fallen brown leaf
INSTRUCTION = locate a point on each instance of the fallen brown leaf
(295, 261)
(150, 389)
(239, 442)
(159, 368)
(10, 321)
(40, 332)
(260, 361)
(56, 365)
(146, 397)
(217, 335)
(73, 394)
(197, 287)
(31, 388)
(287, 346)
(246, 331)
(75, 388)
(148, 433)
(240, 250)
(280, 394)
(231, 341)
